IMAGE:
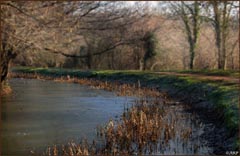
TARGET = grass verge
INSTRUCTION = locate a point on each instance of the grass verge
(207, 72)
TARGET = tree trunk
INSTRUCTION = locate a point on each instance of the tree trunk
(192, 27)
(6, 57)
(1, 64)
(4, 71)
(192, 46)
(224, 52)
(144, 64)
(231, 54)
(112, 60)
(221, 24)
(192, 52)
(141, 65)
(4, 66)
(219, 50)
(89, 60)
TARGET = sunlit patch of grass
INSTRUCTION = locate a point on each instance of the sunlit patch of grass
(231, 73)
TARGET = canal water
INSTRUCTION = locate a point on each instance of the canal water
(44, 113)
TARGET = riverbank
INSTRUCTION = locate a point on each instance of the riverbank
(5, 89)
(215, 101)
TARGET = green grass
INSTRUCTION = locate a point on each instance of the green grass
(215, 72)
(222, 97)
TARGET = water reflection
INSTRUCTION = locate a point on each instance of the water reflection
(42, 113)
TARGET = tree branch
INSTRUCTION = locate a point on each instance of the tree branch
(84, 56)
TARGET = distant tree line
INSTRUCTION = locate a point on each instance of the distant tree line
(114, 35)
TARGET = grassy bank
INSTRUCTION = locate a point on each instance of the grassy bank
(207, 72)
(214, 99)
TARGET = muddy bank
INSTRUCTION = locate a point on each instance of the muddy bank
(203, 100)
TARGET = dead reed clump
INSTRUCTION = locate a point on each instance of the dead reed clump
(144, 128)
(30, 76)
(139, 131)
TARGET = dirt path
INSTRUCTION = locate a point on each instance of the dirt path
(203, 77)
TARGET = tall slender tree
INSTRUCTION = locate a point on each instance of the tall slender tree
(189, 13)
(220, 20)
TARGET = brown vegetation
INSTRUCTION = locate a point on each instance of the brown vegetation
(112, 35)
(120, 89)
(144, 127)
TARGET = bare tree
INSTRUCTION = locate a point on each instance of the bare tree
(107, 29)
(11, 36)
(189, 13)
(220, 20)
(59, 27)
